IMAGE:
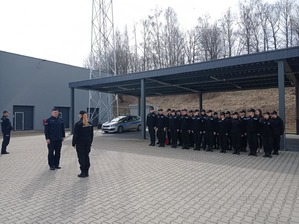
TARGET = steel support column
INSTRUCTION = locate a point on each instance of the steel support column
(139, 106)
(143, 108)
(72, 110)
(200, 101)
(297, 107)
(281, 93)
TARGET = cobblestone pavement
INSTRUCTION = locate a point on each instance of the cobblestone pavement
(131, 182)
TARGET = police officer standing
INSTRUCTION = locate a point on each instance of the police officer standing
(185, 126)
(252, 130)
(237, 132)
(223, 128)
(174, 127)
(216, 140)
(196, 122)
(162, 125)
(151, 122)
(210, 130)
(55, 134)
(202, 129)
(266, 132)
(82, 140)
(243, 143)
(168, 133)
(278, 127)
(6, 128)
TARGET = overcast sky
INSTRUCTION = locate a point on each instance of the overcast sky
(59, 30)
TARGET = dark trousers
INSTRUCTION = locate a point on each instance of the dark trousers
(216, 141)
(161, 136)
(268, 144)
(185, 138)
(202, 141)
(260, 141)
(5, 142)
(243, 143)
(276, 143)
(179, 137)
(174, 136)
(229, 142)
(236, 142)
(252, 142)
(152, 133)
(54, 149)
(197, 139)
(223, 139)
(209, 139)
(169, 137)
(83, 157)
(191, 137)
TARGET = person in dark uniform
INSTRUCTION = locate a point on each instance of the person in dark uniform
(179, 114)
(185, 126)
(196, 119)
(210, 130)
(191, 134)
(6, 128)
(259, 115)
(224, 128)
(82, 140)
(252, 129)
(174, 127)
(243, 143)
(202, 129)
(278, 130)
(168, 134)
(229, 139)
(216, 140)
(266, 131)
(237, 132)
(151, 122)
(162, 125)
(55, 134)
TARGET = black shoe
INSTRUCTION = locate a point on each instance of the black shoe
(187, 148)
(234, 152)
(250, 154)
(270, 156)
(265, 156)
(83, 175)
(52, 168)
(150, 144)
(184, 147)
(275, 153)
(4, 153)
(174, 147)
(57, 167)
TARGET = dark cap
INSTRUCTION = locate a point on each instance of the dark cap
(209, 111)
(215, 113)
(251, 110)
(82, 112)
(196, 111)
(54, 109)
(222, 113)
(202, 110)
(4, 112)
(227, 112)
(168, 109)
(184, 110)
(243, 111)
(274, 112)
(151, 108)
(266, 113)
(160, 109)
(190, 111)
(235, 113)
(173, 111)
(178, 111)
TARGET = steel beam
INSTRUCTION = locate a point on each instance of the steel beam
(297, 108)
(281, 93)
(143, 108)
(72, 110)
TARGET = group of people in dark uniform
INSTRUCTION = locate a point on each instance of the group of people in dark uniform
(209, 130)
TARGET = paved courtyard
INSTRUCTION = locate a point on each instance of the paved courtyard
(131, 182)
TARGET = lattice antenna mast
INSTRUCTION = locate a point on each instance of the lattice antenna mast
(102, 59)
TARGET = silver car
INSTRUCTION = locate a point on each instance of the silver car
(122, 123)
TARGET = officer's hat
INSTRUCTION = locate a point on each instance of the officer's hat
(82, 112)
(196, 111)
(151, 108)
(168, 109)
(190, 111)
(178, 111)
(160, 109)
(227, 112)
(235, 113)
(184, 110)
(173, 111)
(54, 109)
(215, 113)
(4, 112)
(251, 110)
(243, 111)
(222, 113)
(202, 110)
(266, 113)
(274, 112)
(209, 111)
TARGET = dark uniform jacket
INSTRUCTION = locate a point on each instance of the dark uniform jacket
(252, 124)
(162, 121)
(224, 126)
(54, 129)
(278, 126)
(196, 123)
(210, 124)
(237, 126)
(174, 122)
(151, 120)
(202, 126)
(186, 123)
(6, 126)
(266, 129)
(82, 134)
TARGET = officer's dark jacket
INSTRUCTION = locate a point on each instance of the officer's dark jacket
(196, 122)
(54, 129)
(278, 126)
(237, 126)
(217, 124)
(243, 119)
(224, 126)
(151, 120)
(83, 135)
(174, 122)
(186, 123)
(6, 126)
(266, 129)
(210, 124)
(252, 124)
(202, 126)
(162, 121)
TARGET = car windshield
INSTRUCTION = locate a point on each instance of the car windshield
(117, 119)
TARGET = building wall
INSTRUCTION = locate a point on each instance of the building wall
(27, 81)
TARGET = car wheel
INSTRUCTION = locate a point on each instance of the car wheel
(106, 132)
(120, 129)
(139, 128)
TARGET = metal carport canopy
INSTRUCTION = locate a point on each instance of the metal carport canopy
(252, 71)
